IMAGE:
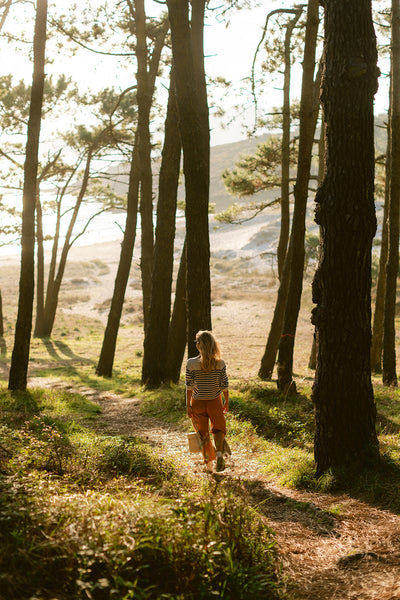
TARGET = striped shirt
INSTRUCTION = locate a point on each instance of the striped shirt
(206, 385)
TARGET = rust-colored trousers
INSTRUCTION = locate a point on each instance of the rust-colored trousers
(205, 412)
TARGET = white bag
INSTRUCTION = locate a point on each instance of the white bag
(195, 444)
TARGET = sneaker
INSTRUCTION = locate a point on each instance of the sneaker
(209, 466)
(220, 464)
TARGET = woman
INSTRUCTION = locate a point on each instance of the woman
(206, 381)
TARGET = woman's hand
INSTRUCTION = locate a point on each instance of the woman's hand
(225, 406)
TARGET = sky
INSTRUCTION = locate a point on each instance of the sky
(229, 52)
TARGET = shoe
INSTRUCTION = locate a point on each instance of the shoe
(220, 464)
(209, 466)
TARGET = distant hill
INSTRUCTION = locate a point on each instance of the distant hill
(223, 157)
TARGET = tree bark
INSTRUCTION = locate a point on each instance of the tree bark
(389, 375)
(268, 359)
(312, 363)
(107, 353)
(40, 267)
(3, 347)
(342, 392)
(156, 339)
(285, 167)
(144, 100)
(106, 359)
(377, 329)
(20, 355)
(177, 328)
(191, 94)
(309, 108)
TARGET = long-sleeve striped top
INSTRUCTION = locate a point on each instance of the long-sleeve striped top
(205, 385)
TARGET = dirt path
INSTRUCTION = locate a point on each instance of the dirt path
(353, 555)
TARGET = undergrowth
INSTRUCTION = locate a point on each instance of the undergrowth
(281, 432)
(84, 515)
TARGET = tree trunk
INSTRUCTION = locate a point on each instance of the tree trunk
(188, 57)
(53, 290)
(1, 316)
(312, 363)
(40, 331)
(309, 108)
(40, 267)
(144, 100)
(106, 359)
(20, 355)
(177, 328)
(269, 357)
(342, 392)
(285, 167)
(3, 347)
(271, 348)
(389, 375)
(156, 339)
(5, 13)
(377, 329)
(107, 353)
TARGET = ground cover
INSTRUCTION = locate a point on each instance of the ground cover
(94, 469)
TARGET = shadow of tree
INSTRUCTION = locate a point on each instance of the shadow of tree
(19, 407)
(387, 425)
(277, 506)
(62, 347)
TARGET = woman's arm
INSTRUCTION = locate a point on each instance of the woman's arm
(226, 403)
(189, 403)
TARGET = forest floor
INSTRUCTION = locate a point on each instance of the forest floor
(332, 546)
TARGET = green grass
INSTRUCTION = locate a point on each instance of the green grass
(87, 515)
(280, 431)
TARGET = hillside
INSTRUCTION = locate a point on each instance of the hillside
(223, 157)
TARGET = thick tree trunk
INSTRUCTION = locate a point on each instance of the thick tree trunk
(342, 393)
(20, 355)
(309, 108)
(285, 167)
(188, 56)
(178, 324)
(389, 375)
(156, 340)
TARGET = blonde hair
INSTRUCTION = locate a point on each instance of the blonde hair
(209, 350)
